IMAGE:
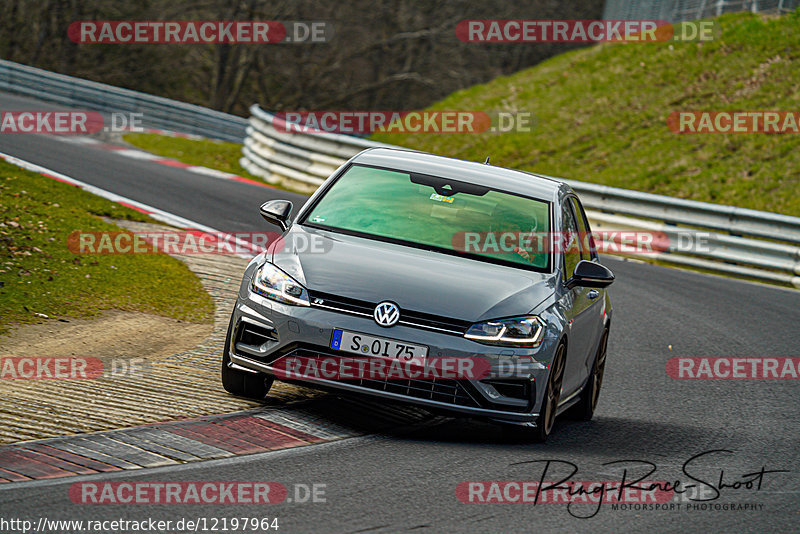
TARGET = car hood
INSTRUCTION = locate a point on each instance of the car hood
(417, 280)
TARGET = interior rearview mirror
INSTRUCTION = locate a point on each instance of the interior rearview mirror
(590, 274)
(277, 212)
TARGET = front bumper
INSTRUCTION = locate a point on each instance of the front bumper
(263, 332)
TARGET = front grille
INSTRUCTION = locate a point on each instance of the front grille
(456, 392)
(345, 304)
(411, 318)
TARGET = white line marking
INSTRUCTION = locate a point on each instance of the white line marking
(76, 140)
(137, 154)
(155, 213)
(211, 172)
(147, 156)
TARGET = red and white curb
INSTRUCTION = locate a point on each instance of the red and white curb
(171, 133)
(164, 444)
(205, 438)
(160, 215)
(147, 156)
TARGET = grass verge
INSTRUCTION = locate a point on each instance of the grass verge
(601, 116)
(39, 275)
(220, 155)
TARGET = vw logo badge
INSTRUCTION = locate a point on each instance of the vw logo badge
(386, 314)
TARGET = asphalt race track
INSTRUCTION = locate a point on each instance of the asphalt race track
(407, 479)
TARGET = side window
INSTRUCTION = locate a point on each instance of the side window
(585, 241)
(569, 241)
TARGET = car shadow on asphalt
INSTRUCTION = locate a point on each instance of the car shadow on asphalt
(604, 436)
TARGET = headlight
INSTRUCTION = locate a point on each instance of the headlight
(274, 284)
(516, 332)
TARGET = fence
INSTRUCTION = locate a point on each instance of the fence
(685, 10)
(740, 242)
(157, 112)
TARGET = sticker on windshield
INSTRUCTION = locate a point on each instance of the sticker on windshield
(317, 218)
(441, 198)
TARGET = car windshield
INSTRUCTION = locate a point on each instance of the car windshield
(436, 214)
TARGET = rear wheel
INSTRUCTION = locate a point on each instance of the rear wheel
(243, 383)
(590, 394)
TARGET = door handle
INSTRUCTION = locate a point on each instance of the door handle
(593, 294)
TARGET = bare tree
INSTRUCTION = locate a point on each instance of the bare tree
(385, 54)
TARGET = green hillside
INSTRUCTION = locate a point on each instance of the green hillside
(601, 116)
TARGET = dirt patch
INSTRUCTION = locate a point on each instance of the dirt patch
(114, 334)
(178, 379)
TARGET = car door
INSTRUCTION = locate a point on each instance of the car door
(576, 302)
(590, 321)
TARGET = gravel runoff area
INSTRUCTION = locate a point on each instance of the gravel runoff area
(175, 371)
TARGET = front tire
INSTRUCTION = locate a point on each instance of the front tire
(243, 383)
(552, 395)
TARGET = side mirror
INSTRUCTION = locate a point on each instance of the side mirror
(590, 274)
(277, 212)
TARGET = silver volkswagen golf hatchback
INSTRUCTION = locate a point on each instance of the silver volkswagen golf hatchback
(454, 285)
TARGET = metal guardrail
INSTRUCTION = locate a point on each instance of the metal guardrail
(737, 241)
(744, 242)
(157, 112)
(300, 160)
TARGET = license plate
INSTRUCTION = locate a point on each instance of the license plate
(378, 347)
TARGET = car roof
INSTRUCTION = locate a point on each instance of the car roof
(513, 181)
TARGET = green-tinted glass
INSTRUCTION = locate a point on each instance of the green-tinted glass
(387, 204)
